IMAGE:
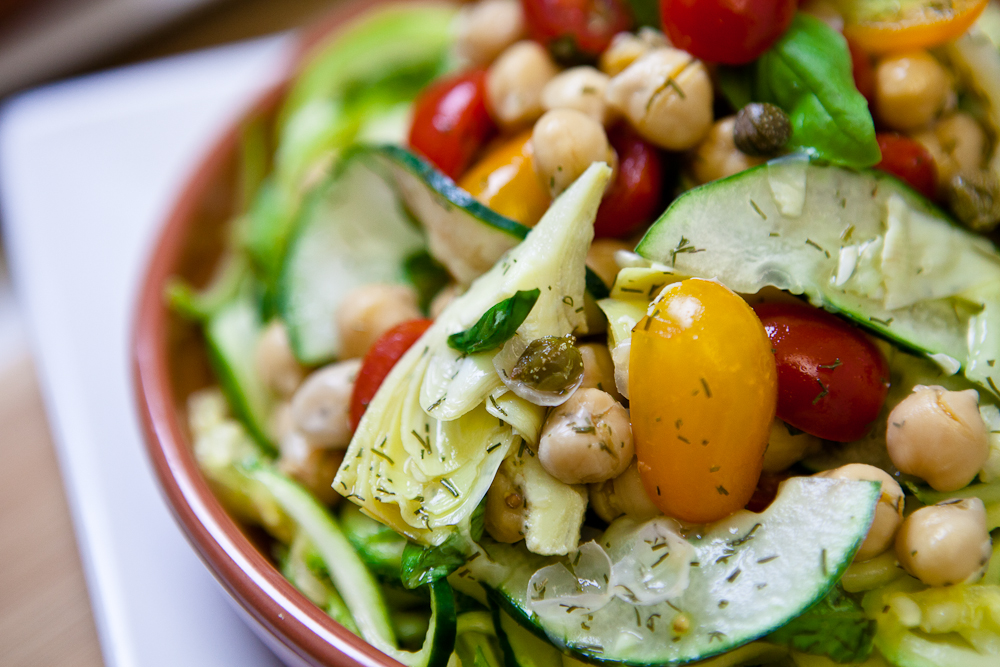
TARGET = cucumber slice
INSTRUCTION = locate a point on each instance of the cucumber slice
(750, 573)
(465, 236)
(352, 232)
(232, 333)
(859, 243)
(380, 547)
(355, 583)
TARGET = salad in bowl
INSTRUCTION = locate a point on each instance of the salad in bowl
(558, 331)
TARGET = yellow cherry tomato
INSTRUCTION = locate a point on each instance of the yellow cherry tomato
(703, 390)
(890, 26)
(505, 181)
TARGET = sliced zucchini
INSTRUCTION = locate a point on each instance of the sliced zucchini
(725, 586)
(521, 647)
(380, 547)
(232, 333)
(858, 243)
(465, 236)
(352, 232)
(355, 583)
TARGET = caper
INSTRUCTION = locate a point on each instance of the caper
(550, 364)
(761, 129)
(975, 200)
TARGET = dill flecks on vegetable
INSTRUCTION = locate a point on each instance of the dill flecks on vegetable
(497, 406)
(722, 490)
(492, 448)
(735, 574)
(757, 208)
(684, 245)
(446, 483)
(384, 456)
(824, 390)
(704, 384)
(835, 364)
(818, 247)
(423, 443)
(766, 559)
(884, 323)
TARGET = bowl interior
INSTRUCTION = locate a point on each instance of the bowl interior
(170, 362)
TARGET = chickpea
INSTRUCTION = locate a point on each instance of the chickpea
(964, 140)
(443, 299)
(717, 156)
(627, 47)
(515, 81)
(601, 258)
(282, 421)
(566, 142)
(945, 544)
(311, 467)
(826, 12)
(888, 512)
(957, 144)
(321, 407)
(667, 97)
(275, 362)
(485, 28)
(787, 446)
(939, 436)
(586, 439)
(911, 89)
(505, 510)
(580, 88)
(624, 494)
(598, 369)
(369, 311)
(631, 497)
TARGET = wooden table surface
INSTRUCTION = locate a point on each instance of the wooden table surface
(45, 616)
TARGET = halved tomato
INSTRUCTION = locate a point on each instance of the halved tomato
(888, 26)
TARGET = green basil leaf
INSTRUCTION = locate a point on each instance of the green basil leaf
(645, 12)
(808, 74)
(595, 286)
(497, 325)
(427, 276)
(835, 627)
(425, 565)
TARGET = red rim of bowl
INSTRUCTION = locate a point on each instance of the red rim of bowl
(237, 564)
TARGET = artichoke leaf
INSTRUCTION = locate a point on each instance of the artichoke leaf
(428, 447)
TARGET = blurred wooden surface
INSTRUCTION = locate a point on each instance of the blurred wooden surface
(44, 611)
(45, 616)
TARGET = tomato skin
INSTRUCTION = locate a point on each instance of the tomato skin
(634, 197)
(916, 25)
(505, 180)
(702, 390)
(382, 356)
(576, 30)
(450, 121)
(863, 71)
(908, 160)
(732, 32)
(832, 380)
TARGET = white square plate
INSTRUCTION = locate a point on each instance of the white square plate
(89, 169)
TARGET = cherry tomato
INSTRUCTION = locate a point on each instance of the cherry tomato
(864, 72)
(504, 179)
(908, 160)
(702, 390)
(832, 380)
(382, 356)
(576, 30)
(733, 32)
(450, 121)
(766, 491)
(634, 197)
(884, 27)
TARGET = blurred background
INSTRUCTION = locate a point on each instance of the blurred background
(45, 616)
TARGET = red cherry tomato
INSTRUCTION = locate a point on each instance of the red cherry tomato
(382, 356)
(634, 197)
(733, 32)
(864, 72)
(576, 30)
(832, 380)
(450, 121)
(909, 161)
(766, 491)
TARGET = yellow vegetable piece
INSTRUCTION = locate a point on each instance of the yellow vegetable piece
(893, 26)
(703, 389)
(505, 181)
